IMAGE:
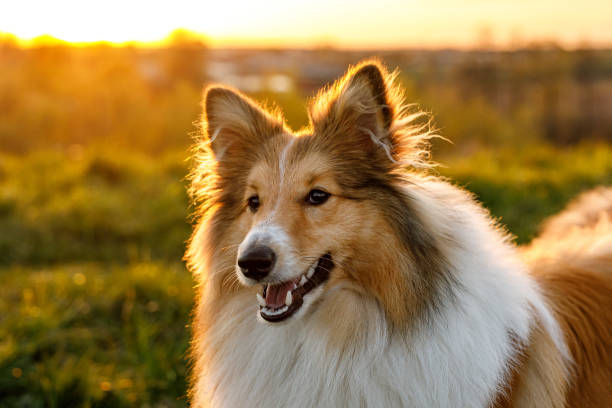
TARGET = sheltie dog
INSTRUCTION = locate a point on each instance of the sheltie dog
(334, 270)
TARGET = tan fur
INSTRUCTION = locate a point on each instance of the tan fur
(544, 378)
(386, 248)
(586, 211)
(579, 293)
(539, 376)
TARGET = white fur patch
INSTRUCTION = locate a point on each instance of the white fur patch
(376, 140)
(282, 161)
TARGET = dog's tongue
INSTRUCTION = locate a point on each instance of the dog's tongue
(276, 294)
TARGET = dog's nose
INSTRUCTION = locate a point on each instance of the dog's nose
(257, 262)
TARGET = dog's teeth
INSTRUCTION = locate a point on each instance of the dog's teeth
(275, 312)
(261, 300)
(302, 280)
(288, 298)
(310, 271)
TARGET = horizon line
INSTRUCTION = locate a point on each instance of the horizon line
(307, 43)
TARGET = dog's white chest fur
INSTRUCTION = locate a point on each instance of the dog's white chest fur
(458, 361)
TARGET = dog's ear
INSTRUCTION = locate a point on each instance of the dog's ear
(358, 107)
(233, 122)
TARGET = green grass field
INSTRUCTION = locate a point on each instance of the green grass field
(522, 186)
(94, 301)
(94, 335)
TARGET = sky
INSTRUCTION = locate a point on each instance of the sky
(340, 23)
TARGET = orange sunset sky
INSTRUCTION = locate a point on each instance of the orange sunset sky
(341, 23)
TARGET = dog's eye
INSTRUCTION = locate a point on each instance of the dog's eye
(253, 203)
(317, 197)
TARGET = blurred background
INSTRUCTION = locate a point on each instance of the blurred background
(99, 104)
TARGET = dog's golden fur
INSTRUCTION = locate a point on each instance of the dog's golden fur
(414, 257)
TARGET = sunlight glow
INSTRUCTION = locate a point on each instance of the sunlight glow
(343, 23)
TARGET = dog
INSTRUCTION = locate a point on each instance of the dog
(333, 269)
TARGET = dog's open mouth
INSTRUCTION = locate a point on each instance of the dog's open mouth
(281, 300)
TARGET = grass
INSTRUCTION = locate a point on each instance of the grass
(522, 186)
(94, 336)
(94, 304)
(92, 207)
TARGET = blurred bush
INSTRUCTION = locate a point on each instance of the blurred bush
(54, 96)
(522, 186)
(57, 96)
(109, 207)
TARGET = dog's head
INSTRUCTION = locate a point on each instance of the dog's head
(297, 214)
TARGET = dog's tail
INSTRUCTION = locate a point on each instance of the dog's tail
(582, 230)
(585, 212)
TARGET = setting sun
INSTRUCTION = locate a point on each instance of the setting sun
(344, 23)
